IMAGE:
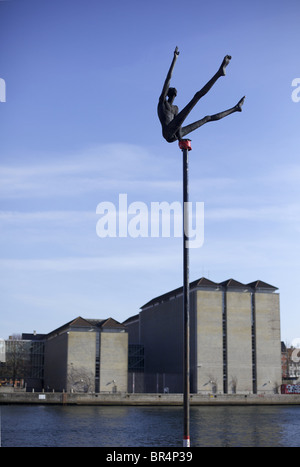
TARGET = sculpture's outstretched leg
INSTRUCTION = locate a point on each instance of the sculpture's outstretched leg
(211, 118)
(177, 122)
(224, 64)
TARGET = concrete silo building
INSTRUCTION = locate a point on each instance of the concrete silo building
(89, 355)
(234, 338)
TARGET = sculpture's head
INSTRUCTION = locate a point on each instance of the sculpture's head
(172, 93)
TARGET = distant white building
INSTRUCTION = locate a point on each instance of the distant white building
(2, 351)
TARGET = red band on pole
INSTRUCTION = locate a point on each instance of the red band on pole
(185, 144)
(186, 442)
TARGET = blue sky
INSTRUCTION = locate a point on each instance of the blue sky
(79, 127)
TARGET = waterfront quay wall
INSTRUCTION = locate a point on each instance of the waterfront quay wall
(126, 399)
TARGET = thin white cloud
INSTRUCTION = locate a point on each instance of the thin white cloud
(100, 168)
(127, 168)
(274, 213)
(19, 217)
(123, 262)
(285, 212)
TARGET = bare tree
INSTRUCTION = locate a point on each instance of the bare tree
(80, 379)
(233, 383)
(214, 383)
(17, 365)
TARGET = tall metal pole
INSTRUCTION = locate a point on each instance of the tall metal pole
(185, 146)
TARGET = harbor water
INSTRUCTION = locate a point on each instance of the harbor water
(111, 426)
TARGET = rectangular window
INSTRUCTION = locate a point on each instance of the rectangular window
(224, 323)
(253, 343)
(97, 363)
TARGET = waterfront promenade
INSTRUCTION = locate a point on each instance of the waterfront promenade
(129, 399)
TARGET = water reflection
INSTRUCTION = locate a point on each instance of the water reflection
(238, 426)
(149, 426)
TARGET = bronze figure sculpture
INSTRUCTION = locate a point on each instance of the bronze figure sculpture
(170, 117)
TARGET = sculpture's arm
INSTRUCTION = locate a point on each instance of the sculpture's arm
(169, 76)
